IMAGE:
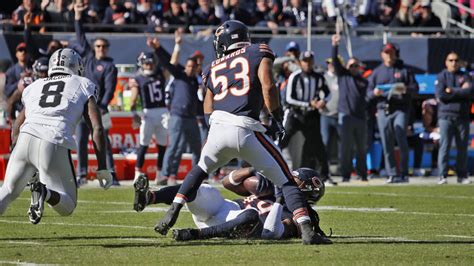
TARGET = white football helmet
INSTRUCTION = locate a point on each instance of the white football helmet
(65, 61)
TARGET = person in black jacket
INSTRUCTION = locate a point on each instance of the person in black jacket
(101, 69)
(352, 114)
(454, 92)
(391, 87)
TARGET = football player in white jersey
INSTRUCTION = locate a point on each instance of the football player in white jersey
(43, 138)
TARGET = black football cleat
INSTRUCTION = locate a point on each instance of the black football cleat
(309, 237)
(169, 220)
(185, 234)
(141, 185)
(38, 196)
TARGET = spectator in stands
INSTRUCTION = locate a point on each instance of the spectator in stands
(27, 6)
(264, 16)
(303, 100)
(298, 11)
(330, 129)
(91, 12)
(454, 92)
(175, 16)
(116, 13)
(146, 12)
(55, 12)
(205, 14)
(391, 87)
(100, 69)
(404, 16)
(182, 126)
(378, 11)
(234, 10)
(426, 18)
(351, 113)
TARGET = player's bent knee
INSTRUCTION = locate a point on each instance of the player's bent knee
(65, 207)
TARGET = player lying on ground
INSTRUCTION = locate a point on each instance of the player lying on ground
(239, 86)
(43, 143)
(262, 214)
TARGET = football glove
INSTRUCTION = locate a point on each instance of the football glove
(277, 116)
(105, 178)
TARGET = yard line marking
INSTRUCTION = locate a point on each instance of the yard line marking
(399, 195)
(18, 262)
(387, 210)
(139, 239)
(456, 236)
(148, 209)
(21, 242)
(83, 225)
(388, 238)
(343, 208)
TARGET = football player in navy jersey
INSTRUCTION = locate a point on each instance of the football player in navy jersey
(239, 85)
(149, 84)
(261, 214)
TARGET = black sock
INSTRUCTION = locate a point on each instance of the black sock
(54, 197)
(248, 217)
(164, 195)
(191, 183)
(161, 156)
(141, 156)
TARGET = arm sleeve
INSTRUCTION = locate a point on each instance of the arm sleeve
(81, 38)
(338, 68)
(11, 83)
(109, 86)
(412, 85)
(165, 57)
(90, 90)
(273, 227)
(371, 87)
(325, 89)
(290, 91)
(31, 47)
(265, 51)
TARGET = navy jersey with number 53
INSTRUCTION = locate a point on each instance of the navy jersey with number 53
(233, 80)
(152, 90)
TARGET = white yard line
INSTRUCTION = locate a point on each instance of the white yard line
(82, 225)
(457, 236)
(352, 209)
(399, 195)
(18, 262)
(21, 242)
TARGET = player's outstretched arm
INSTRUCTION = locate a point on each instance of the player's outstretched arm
(94, 121)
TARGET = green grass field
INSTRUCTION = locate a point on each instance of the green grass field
(371, 225)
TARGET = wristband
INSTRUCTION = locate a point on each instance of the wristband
(231, 179)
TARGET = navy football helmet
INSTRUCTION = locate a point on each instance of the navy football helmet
(310, 184)
(229, 36)
(146, 58)
(40, 68)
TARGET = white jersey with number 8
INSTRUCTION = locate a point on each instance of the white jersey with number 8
(54, 106)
